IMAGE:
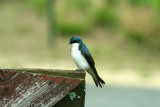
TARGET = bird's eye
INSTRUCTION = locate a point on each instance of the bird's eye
(74, 41)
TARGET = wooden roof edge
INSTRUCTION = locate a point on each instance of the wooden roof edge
(52, 72)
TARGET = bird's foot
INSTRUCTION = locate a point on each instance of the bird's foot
(78, 70)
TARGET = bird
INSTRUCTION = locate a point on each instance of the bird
(83, 59)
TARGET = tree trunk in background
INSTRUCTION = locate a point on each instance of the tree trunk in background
(51, 22)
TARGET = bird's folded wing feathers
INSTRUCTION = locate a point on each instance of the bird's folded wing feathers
(85, 52)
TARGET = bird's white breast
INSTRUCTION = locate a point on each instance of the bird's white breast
(78, 58)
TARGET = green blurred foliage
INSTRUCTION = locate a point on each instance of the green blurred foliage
(134, 36)
(84, 16)
(81, 4)
(137, 2)
(106, 17)
(150, 3)
(112, 2)
(71, 28)
(124, 31)
(39, 5)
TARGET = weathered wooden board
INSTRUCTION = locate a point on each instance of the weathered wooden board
(39, 87)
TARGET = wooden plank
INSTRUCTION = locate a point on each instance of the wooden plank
(29, 89)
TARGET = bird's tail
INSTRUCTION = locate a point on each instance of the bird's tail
(99, 82)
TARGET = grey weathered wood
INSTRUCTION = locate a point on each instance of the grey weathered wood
(41, 87)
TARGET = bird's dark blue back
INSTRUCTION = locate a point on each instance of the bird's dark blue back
(84, 50)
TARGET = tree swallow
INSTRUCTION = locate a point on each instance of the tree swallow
(83, 59)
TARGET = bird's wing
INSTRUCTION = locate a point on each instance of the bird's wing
(85, 52)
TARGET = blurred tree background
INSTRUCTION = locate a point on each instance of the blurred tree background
(122, 35)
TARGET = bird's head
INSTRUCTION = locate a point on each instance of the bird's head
(75, 39)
